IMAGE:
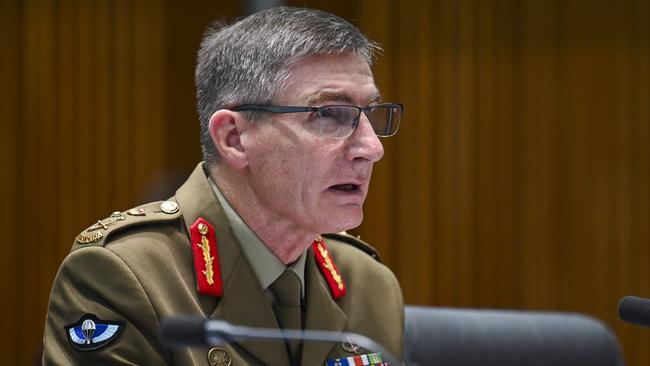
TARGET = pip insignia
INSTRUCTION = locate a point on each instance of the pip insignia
(137, 212)
(329, 269)
(206, 258)
(91, 333)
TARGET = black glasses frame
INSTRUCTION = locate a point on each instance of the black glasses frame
(295, 109)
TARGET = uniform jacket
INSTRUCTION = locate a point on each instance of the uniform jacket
(141, 270)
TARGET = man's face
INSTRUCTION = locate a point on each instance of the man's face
(316, 183)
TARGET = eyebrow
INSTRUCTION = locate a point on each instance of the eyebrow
(335, 96)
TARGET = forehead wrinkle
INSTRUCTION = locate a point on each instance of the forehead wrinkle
(375, 98)
(327, 96)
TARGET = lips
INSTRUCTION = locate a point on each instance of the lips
(346, 187)
(351, 192)
(349, 188)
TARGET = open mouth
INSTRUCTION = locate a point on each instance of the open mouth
(348, 188)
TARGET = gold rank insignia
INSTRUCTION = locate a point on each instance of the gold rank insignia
(206, 258)
(88, 238)
(329, 269)
(93, 233)
(111, 220)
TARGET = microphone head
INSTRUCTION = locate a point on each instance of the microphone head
(183, 331)
(635, 310)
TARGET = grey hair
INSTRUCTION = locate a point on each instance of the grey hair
(249, 61)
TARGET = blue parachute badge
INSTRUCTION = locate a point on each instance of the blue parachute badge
(91, 333)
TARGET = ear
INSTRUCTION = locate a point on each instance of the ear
(225, 131)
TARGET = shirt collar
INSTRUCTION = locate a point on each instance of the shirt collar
(265, 264)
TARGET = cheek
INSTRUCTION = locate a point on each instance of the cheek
(291, 165)
(279, 170)
(265, 150)
(300, 177)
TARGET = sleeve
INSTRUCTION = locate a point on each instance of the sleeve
(95, 283)
(398, 348)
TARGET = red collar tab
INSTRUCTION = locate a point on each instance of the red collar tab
(206, 258)
(329, 269)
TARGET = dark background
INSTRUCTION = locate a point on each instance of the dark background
(520, 177)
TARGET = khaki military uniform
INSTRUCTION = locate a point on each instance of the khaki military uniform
(136, 268)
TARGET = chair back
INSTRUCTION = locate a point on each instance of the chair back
(464, 337)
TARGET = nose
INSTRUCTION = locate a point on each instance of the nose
(364, 143)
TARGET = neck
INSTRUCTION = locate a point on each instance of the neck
(283, 237)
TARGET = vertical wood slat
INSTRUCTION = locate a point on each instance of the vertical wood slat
(444, 140)
(486, 168)
(46, 160)
(378, 209)
(538, 151)
(65, 132)
(9, 110)
(409, 169)
(147, 93)
(29, 189)
(424, 150)
(123, 83)
(496, 218)
(100, 114)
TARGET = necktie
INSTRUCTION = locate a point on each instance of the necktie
(287, 291)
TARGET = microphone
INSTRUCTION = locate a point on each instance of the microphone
(635, 310)
(190, 331)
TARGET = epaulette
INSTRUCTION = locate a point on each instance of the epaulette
(356, 242)
(99, 232)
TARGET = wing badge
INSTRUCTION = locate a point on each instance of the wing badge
(91, 333)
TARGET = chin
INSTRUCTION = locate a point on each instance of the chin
(343, 220)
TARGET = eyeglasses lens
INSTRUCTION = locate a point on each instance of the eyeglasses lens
(385, 119)
(339, 121)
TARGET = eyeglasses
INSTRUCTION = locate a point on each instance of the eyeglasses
(340, 121)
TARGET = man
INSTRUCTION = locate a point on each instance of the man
(290, 118)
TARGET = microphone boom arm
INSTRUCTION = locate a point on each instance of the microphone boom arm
(184, 331)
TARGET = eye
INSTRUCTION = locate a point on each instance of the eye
(339, 115)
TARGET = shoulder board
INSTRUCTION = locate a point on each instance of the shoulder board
(356, 242)
(98, 233)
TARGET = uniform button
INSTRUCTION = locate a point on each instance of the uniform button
(169, 207)
(218, 356)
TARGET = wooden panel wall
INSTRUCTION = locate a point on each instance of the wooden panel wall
(66, 130)
(89, 118)
(519, 178)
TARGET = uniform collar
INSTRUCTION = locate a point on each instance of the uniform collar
(243, 301)
(265, 264)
